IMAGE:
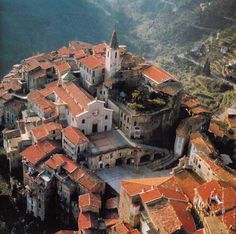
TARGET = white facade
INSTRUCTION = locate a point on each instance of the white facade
(112, 64)
(95, 119)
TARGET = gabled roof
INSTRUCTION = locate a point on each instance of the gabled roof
(87, 221)
(89, 199)
(157, 75)
(92, 62)
(99, 49)
(135, 186)
(43, 131)
(39, 151)
(75, 136)
(61, 160)
(69, 93)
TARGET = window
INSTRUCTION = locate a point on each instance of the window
(107, 53)
(100, 158)
(135, 123)
(116, 55)
(83, 121)
(93, 73)
(128, 120)
(105, 128)
(83, 131)
(199, 166)
(106, 117)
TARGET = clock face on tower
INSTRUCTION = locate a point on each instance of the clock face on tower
(95, 112)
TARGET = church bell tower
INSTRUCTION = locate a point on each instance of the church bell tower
(112, 64)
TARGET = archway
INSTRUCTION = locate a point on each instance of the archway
(145, 159)
(119, 161)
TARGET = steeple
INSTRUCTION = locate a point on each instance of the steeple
(114, 42)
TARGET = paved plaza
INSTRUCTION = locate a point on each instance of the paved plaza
(113, 175)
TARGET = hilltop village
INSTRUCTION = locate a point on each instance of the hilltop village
(71, 114)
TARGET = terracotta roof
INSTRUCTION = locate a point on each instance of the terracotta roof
(112, 203)
(188, 181)
(157, 75)
(120, 228)
(111, 222)
(73, 96)
(99, 49)
(89, 199)
(46, 65)
(80, 54)
(61, 160)
(43, 131)
(37, 98)
(63, 67)
(202, 144)
(39, 151)
(200, 109)
(75, 136)
(31, 65)
(87, 221)
(135, 186)
(92, 62)
(171, 216)
(169, 189)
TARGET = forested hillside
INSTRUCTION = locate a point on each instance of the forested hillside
(149, 27)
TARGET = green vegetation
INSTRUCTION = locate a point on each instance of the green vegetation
(142, 100)
(214, 94)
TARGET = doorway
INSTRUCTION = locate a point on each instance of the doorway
(95, 128)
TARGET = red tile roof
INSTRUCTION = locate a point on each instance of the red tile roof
(61, 160)
(63, 67)
(157, 75)
(89, 199)
(172, 216)
(92, 62)
(76, 98)
(43, 131)
(120, 228)
(112, 203)
(135, 186)
(86, 221)
(80, 54)
(99, 49)
(37, 98)
(75, 136)
(40, 151)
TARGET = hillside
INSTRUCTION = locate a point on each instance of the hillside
(152, 28)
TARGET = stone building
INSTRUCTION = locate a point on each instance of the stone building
(49, 131)
(92, 72)
(151, 126)
(67, 101)
(185, 129)
(12, 113)
(74, 142)
(156, 205)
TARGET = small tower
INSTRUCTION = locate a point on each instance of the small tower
(112, 64)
